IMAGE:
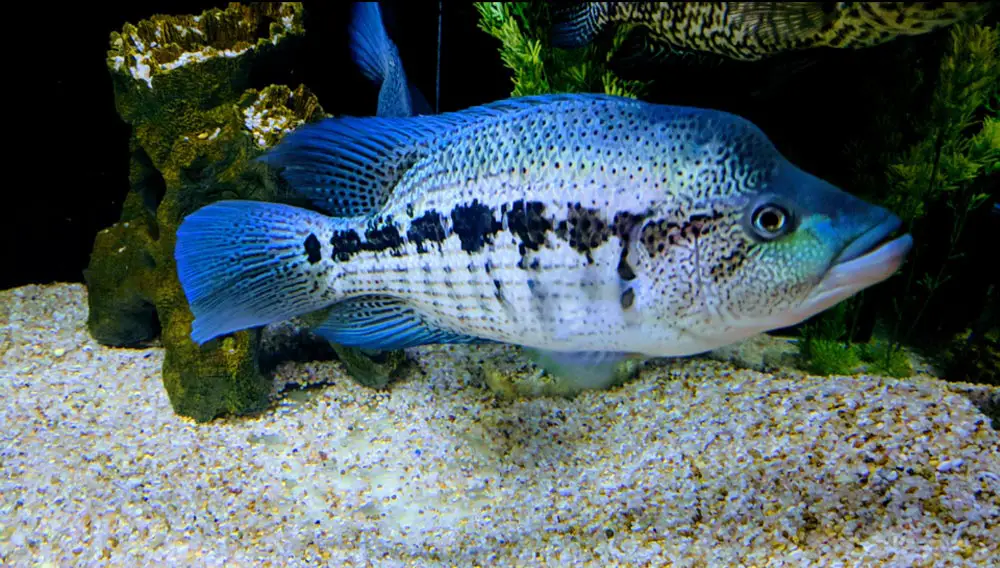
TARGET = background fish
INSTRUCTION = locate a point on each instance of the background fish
(586, 227)
(753, 30)
(379, 60)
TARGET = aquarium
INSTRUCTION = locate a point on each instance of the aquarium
(503, 284)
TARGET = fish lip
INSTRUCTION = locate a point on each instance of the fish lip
(866, 243)
(875, 265)
(849, 277)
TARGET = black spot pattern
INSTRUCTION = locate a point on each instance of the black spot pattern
(627, 299)
(345, 244)
(711, 27)
(312, 249)
(475, 225)
(428, 228)
(584, 229)
(382, 237)
(622, 227)
(527, 221)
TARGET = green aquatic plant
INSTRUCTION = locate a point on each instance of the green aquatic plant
(973, 355)
(947, 169)
(826, 349)
(885, 358)
(823, 345)
(538, 68)
(829, 357)
(930, 162)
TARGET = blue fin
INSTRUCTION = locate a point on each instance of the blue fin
(370, 45)
(383, 322)
(379, 60)
(584, 369)
(576, 24)
(244, 264)
(349, 166)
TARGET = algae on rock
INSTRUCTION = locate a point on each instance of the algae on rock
(182, 83)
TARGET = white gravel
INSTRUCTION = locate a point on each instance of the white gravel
(692, 464)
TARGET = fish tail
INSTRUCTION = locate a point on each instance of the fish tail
(371, 47)
(575, 24)
(245, 264)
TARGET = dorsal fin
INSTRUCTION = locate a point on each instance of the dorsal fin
(349, 166)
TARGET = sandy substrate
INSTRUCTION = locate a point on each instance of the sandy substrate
(692, 464)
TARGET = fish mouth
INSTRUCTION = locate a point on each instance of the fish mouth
(868, 240)
(874, 266)
(867, 260)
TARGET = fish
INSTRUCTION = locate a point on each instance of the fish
(750, 31)
(378, 58)
(585, 228)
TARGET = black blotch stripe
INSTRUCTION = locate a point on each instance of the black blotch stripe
(584, 229)
(475, 225)
(312, 249)
(622, 227)
(345, 244)
(527, 221)
(384, 236)
(627, 299)
(427, 228)
(498, 292)
(658, 234)
(625, 271)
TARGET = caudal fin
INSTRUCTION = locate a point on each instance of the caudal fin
(379, 60)
(371, 47)
(245, 264)
(575, 24)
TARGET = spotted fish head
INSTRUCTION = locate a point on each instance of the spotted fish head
(794, 247)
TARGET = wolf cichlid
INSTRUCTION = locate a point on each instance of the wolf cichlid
(587, 228)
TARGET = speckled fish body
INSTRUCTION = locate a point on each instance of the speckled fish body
(565, 223)
(753, 30)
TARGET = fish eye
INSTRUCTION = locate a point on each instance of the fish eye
(770, 221)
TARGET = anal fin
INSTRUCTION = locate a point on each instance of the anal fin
(385, 323)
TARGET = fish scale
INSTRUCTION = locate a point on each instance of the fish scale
(563, 223)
